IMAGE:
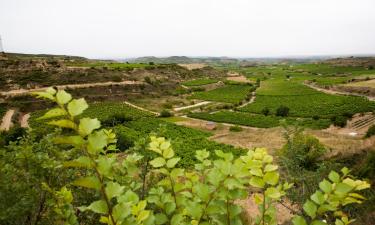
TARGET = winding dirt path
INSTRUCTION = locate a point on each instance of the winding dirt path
(71, 86)
(192, 106)
(252, 99)
(140, 108)
(7, 120)
(332, 92)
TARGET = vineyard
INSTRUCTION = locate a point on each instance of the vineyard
(199, 82)
(321, 105)
(228, 94)
(259, 120)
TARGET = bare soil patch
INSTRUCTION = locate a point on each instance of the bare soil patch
(7, 120)
(192, 66)
(239, 78)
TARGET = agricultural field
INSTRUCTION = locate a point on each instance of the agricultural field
(228, 94)
(199, 82)
(259, 120)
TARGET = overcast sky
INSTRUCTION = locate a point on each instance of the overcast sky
(236, 28)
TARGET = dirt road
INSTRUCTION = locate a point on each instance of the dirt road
(7, 120)
(140, 108)
(71, 86)
(192, 106)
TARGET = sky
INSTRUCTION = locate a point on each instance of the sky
(233, 28)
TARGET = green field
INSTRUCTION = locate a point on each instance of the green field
(228, 94)
(259, 120)
(199, 82)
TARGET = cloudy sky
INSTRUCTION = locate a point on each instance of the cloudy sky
(237, 28)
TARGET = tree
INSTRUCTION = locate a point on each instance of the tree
(282, 111)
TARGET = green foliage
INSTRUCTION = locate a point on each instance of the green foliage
(235, 128)
(370, 132)
(165, 113)
(282, 111)
(258, 120)
(339, 121)
(199, 82)
(205, 195)
(228, 94)
(325, 205)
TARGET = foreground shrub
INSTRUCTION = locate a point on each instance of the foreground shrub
(282, 111)
(166, 113)
(370, 132)
(203, 195)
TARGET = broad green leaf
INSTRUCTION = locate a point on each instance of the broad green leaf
(325, 186)
(202, 190)
(76, 141)
(170, 207)
(98, 207)
(121, 211)
(87, 125)
(343, 188)
(299, 220)
(258, 198)
(63, 123)
(256, 172)
(272, 192)
(167, 153)
(113, 189)
(318, 222)
(345, 171)
(270, 168)
(143, 215)
(172, 162)
(97, 141)
(158, 162)
(310, 208)
(177, 219)
(45, 95)
(129, 196)
(105, 165)
(257, 182)
(53, 113)
(160, 218)
(88, 182)
(77, 106)
(202, 154)
(271, 178)
(318, 197)
(334, 177)
(82, 161)
(51, 90)
(194, 209)
(62, 97)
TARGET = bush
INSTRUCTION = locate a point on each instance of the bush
(266, 111)
(370, 132)
(339, 121)
(116, 119)
(282, 111)
(235, 128)
(316, 117)
(116, 79)
(166, 113)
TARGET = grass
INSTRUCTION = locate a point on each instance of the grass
(229, 94)
(199, 82)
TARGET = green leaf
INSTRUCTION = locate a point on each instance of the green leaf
(270, 168)
(98, 207)
(177, 219)
(167, 153)
(87, 125)
(318, 222)
(77, 106)
(82, 161)
(121, 211)
(129, 196)
(113, 189)
(170, 207)
(76, 141)
(97, 141)
(272, 192)
(202, 190)
(63, 123)
(256, 172)
(271, 178)
(143, 215)
(299, 220)
(62, 97)
(53, 113)
(318, 197)
(334, 177)
(310, 208)
(51, 90)
(325, 186)
(257, 182)
(172, 162)
(45, 95)
(160, 219)
(105, 165)
(88, 182)
(343, 188)
(158, 162)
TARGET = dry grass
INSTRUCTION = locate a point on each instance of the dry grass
(192, 66)
(367, 83)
